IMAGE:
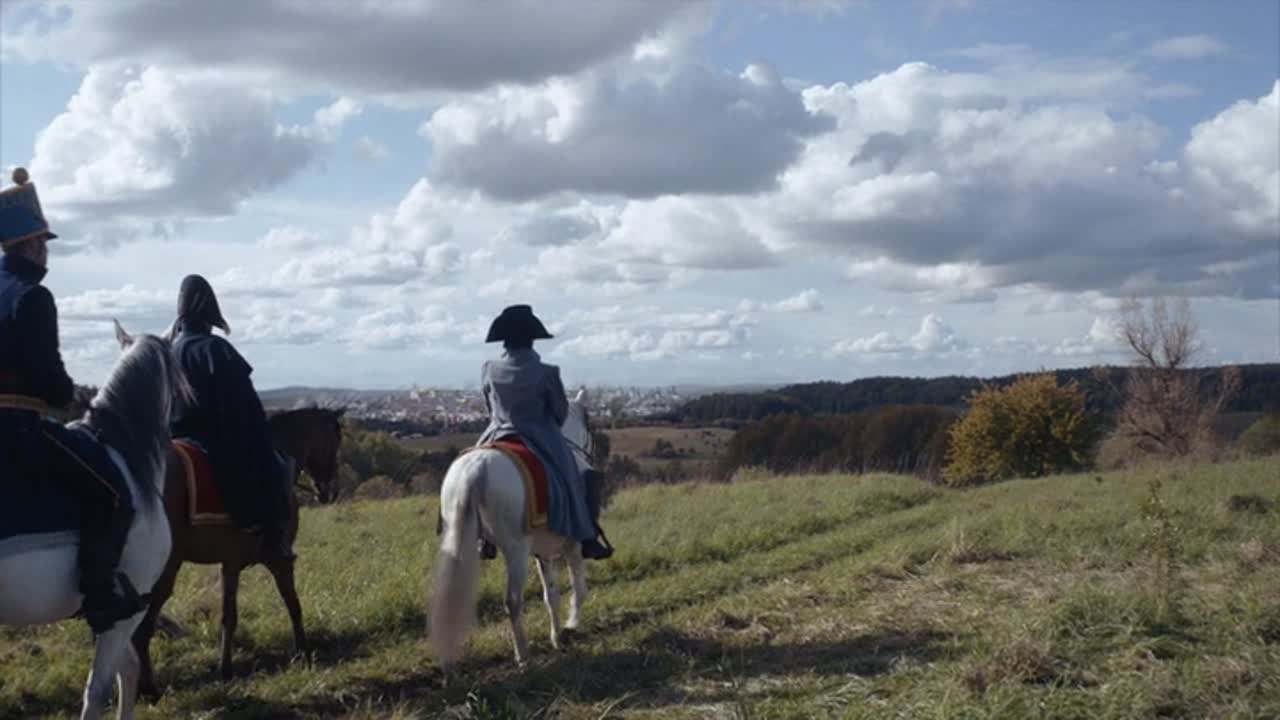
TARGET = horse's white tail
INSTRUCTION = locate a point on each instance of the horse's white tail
(458, 562)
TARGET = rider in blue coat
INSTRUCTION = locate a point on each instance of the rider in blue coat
(227, 420)
(526, 397)
(36, 449)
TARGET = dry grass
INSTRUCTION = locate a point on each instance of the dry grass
(829, 597)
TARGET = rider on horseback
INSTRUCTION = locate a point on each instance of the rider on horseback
(227, 420)
(525, 397)
(33, 379)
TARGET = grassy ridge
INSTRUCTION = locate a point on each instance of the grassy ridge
(848, 597)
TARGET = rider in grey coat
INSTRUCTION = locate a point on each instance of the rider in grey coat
(525, 397)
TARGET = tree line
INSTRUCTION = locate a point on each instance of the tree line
(1259, 389)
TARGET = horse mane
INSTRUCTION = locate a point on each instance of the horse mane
(128, 415)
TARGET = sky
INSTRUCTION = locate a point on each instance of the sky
(685, 191)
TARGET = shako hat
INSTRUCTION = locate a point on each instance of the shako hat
(20, 215)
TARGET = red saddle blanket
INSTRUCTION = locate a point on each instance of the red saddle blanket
(537, 492)
(204, 503)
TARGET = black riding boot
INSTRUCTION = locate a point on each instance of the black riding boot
(276, 544)
(597, 548)
(105, 604)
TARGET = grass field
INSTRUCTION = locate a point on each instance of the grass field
(872, 597)
(697, 444)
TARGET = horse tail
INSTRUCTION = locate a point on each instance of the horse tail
(458, 561)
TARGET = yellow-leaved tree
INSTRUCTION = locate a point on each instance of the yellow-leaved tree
(1030, 428)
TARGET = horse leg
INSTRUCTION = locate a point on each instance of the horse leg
(282, 572)
(107, 652)
(127, 677)
(516, 553)
(578, 575)
(160, 594)
(230, 587)
(551, 596)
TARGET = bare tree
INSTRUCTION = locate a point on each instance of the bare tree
(1169, 405)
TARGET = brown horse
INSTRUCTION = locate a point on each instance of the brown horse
(311, 436)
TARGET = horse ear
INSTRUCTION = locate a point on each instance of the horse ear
(124, 338)
(582, 396)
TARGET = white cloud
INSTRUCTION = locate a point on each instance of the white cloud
(269, 323)
(1236, 157)
(804, 301)
(372, 149)
(402, 326)
(1186, 47)
(157, 145)
(687, 232)
(647, 333)
(128, 303)
(345, 267)
(944, 183)
(690, 129)
(400, 47)
(290, 238)
(934, 338)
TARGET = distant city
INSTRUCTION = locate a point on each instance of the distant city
(451, 406)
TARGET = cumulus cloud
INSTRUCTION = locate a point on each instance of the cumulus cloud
(648, 333)
(290, 238)
(401, 47)
(1236, 157)
(940, 182)
(934, 337)
(268, 323)
(689, 130)
(157, 145)
(687, 232)
(403, 327)
(128, 303)
(804, 301)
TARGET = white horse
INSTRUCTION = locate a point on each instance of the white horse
(484, 494)
(39, 579)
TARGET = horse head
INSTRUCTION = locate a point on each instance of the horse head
(313, 437)
(133, 406)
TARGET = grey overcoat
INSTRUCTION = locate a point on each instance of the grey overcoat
(526, 397)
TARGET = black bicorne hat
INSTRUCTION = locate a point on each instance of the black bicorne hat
(517, 322)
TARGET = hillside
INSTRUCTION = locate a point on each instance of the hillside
(845, 597)
(1260, 387)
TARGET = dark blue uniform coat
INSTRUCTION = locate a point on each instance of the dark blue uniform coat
(40, 459)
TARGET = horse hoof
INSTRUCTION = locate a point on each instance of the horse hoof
(150, 693)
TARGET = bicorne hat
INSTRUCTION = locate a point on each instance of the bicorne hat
(20, 215)
(517, 322)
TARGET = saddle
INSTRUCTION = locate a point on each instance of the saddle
(537, 491)
(204, 501)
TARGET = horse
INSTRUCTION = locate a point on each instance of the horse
(311, 438)
(484, 494)
(40, 586)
